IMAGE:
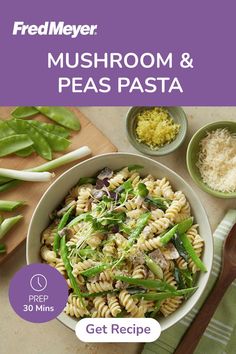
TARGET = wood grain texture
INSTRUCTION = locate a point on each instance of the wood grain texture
(31, 192)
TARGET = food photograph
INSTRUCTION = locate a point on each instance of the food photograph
(135, 208)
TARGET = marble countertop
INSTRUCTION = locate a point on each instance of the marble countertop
(20, 336)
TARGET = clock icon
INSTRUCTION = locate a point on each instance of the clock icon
(38, 282)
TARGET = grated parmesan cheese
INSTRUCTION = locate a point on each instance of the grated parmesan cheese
(217, 160)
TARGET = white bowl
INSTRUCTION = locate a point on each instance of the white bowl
(58, 190)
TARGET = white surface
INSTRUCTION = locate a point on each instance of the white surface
(19, 336)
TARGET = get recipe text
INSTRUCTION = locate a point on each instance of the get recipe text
(114, 328)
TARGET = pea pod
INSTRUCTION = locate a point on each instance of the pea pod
(57, 143)
(188, 277)
(62, 224)
(179, 278)
(24, 112)
(181, 228)
(14, 143)
(39, 142)
(50, 128)
(95, 270)
(9, 185)
(2, 248)
(5, 130)
(164, 295)
(61, 115)
(191, 252)
(77, 219)
(102, 293)
(146, 283)
(168, 235)
(141, 223)
(135, 289)
(154, 267)
(65, 258)
(25, 152)
(134, 234)
(180, 248)
(161, 203)
(185, 225)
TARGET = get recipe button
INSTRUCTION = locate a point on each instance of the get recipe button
(114, 330)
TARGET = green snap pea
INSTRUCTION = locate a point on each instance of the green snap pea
(168, 235)
(180, 228)
(134, 234)
(14, 143)
(65, 258)
(154, 267)
(102, 293)
(57, 143)
(40, 144)
(61, 115)
(188, 277)
(77, 219)
(10, 205)
(180, 248)
(179, 278)
(185, 225)
(5, 130)
(191, 252)
(2, 248)
(164, 295)
(95, 270)
(62, 223)
(24, 112)
(9, 185)
(159, 285)
(141, 223)
(4, 180)
(51, 128)
(25, 152)
(134, 290)
(161, 203)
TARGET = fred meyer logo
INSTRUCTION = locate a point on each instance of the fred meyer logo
(52, 28)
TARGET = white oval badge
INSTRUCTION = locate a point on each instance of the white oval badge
(118, 330)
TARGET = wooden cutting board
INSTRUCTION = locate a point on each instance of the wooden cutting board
(31, 192)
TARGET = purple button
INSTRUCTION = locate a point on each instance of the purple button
(38, 293)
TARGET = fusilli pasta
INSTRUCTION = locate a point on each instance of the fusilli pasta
(116, 257)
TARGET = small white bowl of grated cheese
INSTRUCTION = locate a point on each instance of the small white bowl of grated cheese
(211, 159)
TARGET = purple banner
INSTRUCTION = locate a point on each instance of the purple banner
(117, 53)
